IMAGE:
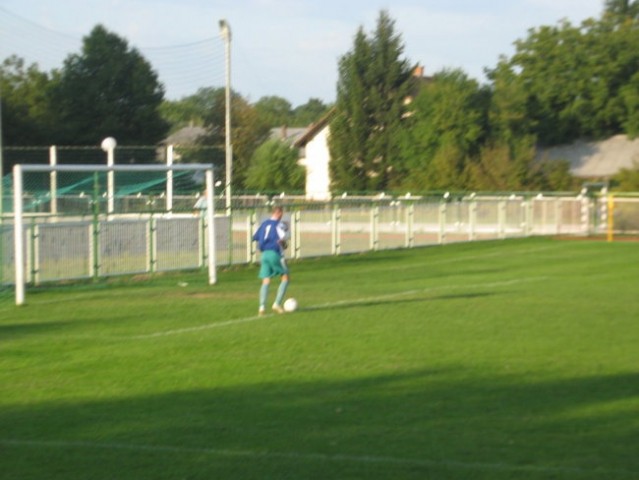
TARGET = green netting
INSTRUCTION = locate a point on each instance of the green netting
(71, 192)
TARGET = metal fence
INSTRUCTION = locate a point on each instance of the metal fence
(75, 247)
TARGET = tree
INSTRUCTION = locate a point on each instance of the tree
(630, 97)
(508, 117)
(26, 108)
(274, 111)
(108, 89)
(627, 179)
(308, 113)
(621, 9)
(374, 82)
(446, 126)
(248, 131)
(192, 109)
(274, 168)
(573, 80)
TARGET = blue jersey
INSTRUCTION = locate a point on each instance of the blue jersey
(269, 235)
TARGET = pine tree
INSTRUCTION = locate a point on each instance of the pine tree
(374, 83)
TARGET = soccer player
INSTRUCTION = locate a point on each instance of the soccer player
(271, 240)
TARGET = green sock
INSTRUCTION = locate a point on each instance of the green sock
(263, 294)
(281, 291)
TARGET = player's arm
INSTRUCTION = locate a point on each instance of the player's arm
(282, 234)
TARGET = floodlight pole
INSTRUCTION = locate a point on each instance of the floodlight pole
(225, 31)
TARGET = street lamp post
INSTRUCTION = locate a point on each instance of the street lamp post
(225, 31)
(108, 145)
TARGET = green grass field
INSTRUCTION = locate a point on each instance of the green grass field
(496, 360)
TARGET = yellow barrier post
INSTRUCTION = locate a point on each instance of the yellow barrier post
(611, 216)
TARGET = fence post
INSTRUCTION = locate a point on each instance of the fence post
(410, 218)
(53, 161)
(152, 245)
(472, 219)
(501, 215)
(95, 228)
(526, 207)
(169, 179)
(374, 239)
(442, 223)
(296, 234)
(34, 252)
(335, 230)
(251, 255)
(18, 234)
(611, 217)
(558, 215)
(585, 213)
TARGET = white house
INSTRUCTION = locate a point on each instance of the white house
(315, 158)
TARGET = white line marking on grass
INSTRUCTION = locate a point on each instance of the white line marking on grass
(341, 303)
(298, 456)
(427, 261)
(202, 327)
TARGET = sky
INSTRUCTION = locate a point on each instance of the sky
(285, 48)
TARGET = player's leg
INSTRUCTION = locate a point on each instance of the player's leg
(281, 291)
(264, 295)
(266, 272)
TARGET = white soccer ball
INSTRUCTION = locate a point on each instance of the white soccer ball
(290, 305)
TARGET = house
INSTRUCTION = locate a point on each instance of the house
(315, 157)
(314, 147)
(286, 134)
(597, 160)
(186, 136)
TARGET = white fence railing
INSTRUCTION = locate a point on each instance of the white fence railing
(77, 247)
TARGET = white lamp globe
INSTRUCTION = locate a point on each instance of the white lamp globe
(108, 143)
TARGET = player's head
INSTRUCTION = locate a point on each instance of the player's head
(278, 212)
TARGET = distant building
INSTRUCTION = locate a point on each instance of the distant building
(596, 160)
(286, 134)
(186, 136)
(315, 157)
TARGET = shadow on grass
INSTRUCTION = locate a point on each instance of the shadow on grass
(393, 300)
(13, 330)
(443, 424)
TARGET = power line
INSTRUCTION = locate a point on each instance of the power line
(182, 69)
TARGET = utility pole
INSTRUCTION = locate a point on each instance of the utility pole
(225, 31)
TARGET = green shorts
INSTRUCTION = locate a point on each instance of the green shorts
(273, 264)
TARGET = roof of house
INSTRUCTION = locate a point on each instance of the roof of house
(597, 159)
(314, 129)
(185, 136)
(286, 134)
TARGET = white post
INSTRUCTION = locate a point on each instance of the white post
(110, 181)
(472, 220)
(249, 238)
(442, 223)
(585, 213)
(297, 218)
(210, 218)
(374, 239)
(501, 219)
(225, 31)
(108, 145)
(558, 215)
(410, 235)
(53, 161)
(335, 231)
(169, 179)
(18, 227)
